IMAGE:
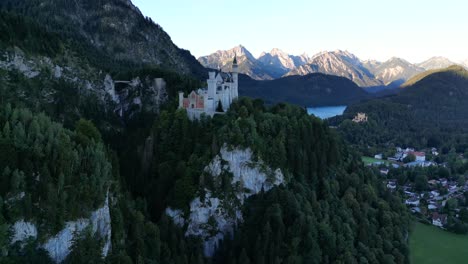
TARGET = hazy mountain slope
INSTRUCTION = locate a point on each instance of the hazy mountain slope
(339, 63)
(425, 74)
(465, 64)
(115, 27)
(278, 62)
(395, 71)
(446, 88)
(309, 90)
(436, 63)
(247, 63)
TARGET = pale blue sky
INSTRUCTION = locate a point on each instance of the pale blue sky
(371, 29)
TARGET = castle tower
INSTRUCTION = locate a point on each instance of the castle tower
(211, 94)
(181, 99)
(235, 79)
(211, 84)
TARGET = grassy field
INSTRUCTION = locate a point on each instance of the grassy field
(369, 160)
(431, 245)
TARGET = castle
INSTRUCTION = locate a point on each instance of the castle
(221, 92)
(360, 118)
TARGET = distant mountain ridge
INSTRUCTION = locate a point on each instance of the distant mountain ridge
(436, 63)
(370, 74)
(222, 59)
(279, 62)
(394, 71)
(271, 65)
(338, 63)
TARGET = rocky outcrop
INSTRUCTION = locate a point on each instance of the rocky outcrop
(109, 87)
(17, 61)
(138, 95)
(123, 97)
(22, 231)
(214, 216)
(58, 246)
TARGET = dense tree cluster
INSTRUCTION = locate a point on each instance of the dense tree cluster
(46, 169)
(330, 212)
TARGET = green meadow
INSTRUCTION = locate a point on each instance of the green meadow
(431, 245)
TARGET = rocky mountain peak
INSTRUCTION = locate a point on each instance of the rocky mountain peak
(437, 62)
(278, 52)
(339, 63)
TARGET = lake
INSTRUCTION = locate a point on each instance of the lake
(326, 111)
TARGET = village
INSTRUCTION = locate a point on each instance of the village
(434, 199)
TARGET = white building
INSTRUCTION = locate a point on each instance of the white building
(412, 201)
(222, 90)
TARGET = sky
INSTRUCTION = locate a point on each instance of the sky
(371, 29)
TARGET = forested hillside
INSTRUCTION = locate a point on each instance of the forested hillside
(315, 89)
(110, 29)
(89, 165)
(429, 113)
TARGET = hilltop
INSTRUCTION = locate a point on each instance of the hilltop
(430, 111)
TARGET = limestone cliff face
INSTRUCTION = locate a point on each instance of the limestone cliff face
(125, 98)
(22, 231)
(58, 246)
(215, 215)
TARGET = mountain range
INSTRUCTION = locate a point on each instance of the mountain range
(371, 74)
(339, 63)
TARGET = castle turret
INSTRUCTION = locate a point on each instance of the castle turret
(235, 79)
(181, 99)
(211, 84)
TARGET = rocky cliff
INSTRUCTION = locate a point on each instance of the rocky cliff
(215, 214)
(58, 246)
(123, 97)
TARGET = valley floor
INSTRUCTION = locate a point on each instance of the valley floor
(431, 245)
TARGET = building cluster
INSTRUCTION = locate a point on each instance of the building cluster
(401, 154)
(221, 91)
(430, 204)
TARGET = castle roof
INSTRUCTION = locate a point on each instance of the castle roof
(225, 76)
